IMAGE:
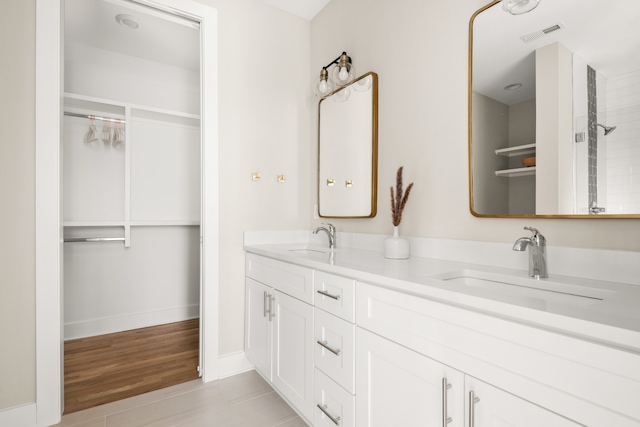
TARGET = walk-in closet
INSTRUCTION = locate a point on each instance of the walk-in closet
(131, 180)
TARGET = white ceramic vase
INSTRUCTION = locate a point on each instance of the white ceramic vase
(396, 247)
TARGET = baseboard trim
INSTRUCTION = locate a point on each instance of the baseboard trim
(234, 364)
(19, 416)
(108, 325)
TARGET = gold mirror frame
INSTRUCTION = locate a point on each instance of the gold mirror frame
(373, 198)
(470, 148)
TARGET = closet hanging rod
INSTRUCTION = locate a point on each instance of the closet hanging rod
(93, 239)
(88, 116)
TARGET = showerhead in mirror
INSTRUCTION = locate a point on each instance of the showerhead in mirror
(607, 129)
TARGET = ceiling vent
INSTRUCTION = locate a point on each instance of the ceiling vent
(537, 34)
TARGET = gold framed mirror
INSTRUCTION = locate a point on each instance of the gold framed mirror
(348, 150)
(561, 85)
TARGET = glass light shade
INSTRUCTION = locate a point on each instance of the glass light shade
(323, 85)
(518, 7)
(362, 85)
(343, 73)
(342, 95)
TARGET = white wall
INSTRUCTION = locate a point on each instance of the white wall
(111, 75)
(623, 145)
(17, 186)
(420, 51)
(522, 130)
(265, 91)
(491, 132)
(554, 126)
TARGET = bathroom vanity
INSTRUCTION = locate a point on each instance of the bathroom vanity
(351, 339)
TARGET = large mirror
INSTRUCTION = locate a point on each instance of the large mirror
(554, 110)
(348, 150)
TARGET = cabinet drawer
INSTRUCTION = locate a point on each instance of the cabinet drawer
(334, 348)
(335, 294)
(290, 279)
(334, 406)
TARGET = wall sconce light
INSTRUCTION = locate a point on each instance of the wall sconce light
(342, 73)
(518, 7)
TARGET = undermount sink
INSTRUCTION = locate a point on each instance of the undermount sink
(308, 251)
(316, 253)
(545, 290)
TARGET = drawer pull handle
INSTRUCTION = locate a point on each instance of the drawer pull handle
(446, 419)
(327, 294)
(324, 344)
(472, 403)
(323, 408)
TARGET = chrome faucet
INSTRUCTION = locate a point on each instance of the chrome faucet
(331, 232)
(537, 257)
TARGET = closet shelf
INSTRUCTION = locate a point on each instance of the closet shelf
(517, 172)
(142, 223)
(518, 150)
(82, 102)
(93, 223)
(164, 223)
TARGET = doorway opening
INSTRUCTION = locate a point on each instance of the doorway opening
(131, 181)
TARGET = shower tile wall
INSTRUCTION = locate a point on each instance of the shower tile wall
(623, 145)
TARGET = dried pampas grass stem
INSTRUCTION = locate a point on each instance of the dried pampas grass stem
(399, 199)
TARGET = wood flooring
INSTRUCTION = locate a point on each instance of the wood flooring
(108, 368)
(244, 400)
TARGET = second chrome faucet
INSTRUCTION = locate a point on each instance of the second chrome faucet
(537, 245)
(331, 232)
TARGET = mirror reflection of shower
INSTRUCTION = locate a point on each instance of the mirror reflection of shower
(607, 129)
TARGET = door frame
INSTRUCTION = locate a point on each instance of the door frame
(48, 222)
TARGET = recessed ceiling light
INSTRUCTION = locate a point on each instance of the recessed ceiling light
(513, 86)
(518, 7)
(127, 21)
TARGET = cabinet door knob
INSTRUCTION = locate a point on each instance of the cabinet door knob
(446, 419)
(324, 344)
(323, 408)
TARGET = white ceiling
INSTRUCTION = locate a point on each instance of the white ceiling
(605, 34)
(160, 37)
(304, 8)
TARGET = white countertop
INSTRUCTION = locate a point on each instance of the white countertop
(601, 311)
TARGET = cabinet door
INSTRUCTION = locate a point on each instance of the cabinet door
(396, 386)
(293, 351)
(493, 407)
(258, 326)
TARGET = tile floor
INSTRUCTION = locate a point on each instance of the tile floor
(244, 400)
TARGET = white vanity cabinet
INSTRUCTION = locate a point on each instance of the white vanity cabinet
(400, 387)
(347, 353)
(279, 327)
(521, 375)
